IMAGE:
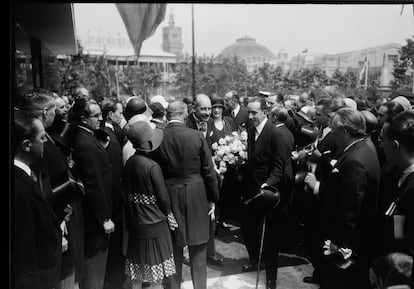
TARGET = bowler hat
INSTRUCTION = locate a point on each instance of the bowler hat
(266, 199)
(217, 102)
(134, 106)
(140, 134)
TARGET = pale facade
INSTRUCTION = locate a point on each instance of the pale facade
(380, 59)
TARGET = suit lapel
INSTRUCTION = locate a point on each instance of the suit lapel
(250, 140)
(35, 190)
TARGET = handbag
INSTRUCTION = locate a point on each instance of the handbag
(68, 191)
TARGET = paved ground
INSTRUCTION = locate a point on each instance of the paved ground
(293, 266)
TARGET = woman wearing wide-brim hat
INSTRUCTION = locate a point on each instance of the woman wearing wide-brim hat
(218, 128)
(149, 256)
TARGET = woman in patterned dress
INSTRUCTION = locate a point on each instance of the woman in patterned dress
(148, 214)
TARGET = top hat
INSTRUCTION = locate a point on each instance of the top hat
(217, 102)
(266, 199)
(140, 134)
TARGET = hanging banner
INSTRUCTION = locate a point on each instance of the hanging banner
(141, 20)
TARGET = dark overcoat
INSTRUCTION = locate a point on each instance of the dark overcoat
(185, 159)
(94, 168)
(36, 248)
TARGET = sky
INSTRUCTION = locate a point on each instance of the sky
(320, 28)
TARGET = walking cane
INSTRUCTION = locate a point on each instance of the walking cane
(260, 252)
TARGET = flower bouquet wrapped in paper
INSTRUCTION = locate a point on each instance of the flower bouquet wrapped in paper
(230, 151)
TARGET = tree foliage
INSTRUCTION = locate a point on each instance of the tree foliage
(404, 63)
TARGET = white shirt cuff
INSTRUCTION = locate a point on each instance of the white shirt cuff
(316, 188)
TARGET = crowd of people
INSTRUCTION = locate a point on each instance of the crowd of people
(109, 194)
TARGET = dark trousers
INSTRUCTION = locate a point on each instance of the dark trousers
(314, 237)
(356, 277)
(115, 268)
(198, 266)
(251, 226)
(95, 271)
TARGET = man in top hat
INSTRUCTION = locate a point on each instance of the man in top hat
(267, 165)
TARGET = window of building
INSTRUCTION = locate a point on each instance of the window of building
(392, 58)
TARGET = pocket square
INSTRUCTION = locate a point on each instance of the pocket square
(335, 170)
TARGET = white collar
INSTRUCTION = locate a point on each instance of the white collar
(236, 110)
(175, 121)
(23, 166)
(405, 173)
(261, 125)
(352, 143)
(325, 131)
(107, 124)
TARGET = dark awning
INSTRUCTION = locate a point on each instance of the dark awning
(51, 23)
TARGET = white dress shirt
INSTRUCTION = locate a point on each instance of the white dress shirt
(259, 128)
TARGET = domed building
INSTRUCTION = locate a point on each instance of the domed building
(248, 50)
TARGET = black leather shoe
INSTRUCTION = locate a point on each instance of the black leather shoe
(251, 267)
(311, 280)
(215, 260)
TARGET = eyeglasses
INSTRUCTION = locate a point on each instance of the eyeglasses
(98, 115)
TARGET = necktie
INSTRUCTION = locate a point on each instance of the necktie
(202, 126)
(256, 134)
(37, 180)
(33, 176)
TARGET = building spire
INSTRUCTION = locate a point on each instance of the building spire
(171, 22)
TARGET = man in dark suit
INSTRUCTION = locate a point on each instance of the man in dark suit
(94, 167)
(200, 119)
(191, 181)
(398, 138)
(112, 116)
(237, 112)
(200, 116)
(53, 167)
(268, 164)
(319, 160)
(36, 238)
(348, 200)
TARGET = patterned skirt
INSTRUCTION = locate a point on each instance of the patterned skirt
(150, 259)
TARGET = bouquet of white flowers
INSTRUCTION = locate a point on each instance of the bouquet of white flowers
(230, 151)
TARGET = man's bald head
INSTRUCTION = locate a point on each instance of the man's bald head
(202, 107)
(279, 115)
